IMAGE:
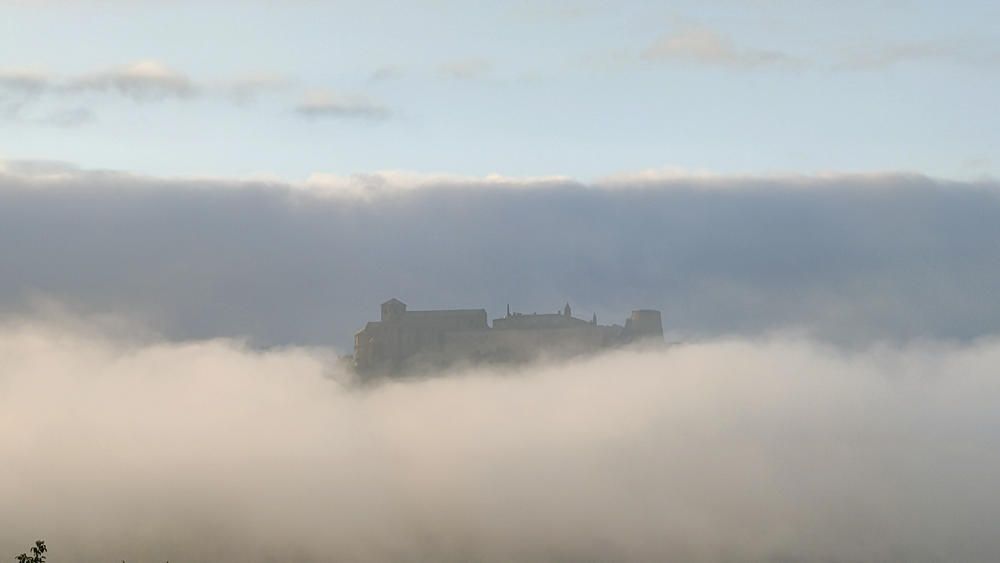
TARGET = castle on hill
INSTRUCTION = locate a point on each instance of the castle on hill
(408, 339)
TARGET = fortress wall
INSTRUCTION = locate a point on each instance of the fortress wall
(437, 338)
(446, 320)
(515, 345)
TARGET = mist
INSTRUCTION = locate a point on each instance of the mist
(118, 444)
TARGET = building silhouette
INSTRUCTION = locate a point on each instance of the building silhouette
(404, 339)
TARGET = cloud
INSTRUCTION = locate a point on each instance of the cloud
(34, 169)
(65, 118)
(881, 57)
(248, 88)
(24, 81)
(20, 94)
(379, 184)
(849, 259)
(466, 69)
(37, 98)
(700, 45)
(320, 104)
(141, 81)
(34, 97)
(387, 72)
(980, 163)
(19, 89)
(69, 117)
(774, 449)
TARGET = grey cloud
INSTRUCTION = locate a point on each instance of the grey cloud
(745, 450)
(70, 117)
(29, 169)
(23, 81)
(850, 259)
(249, 88)
(18, 90)
(141, 81)
(700, 45)
(981, 163)
(23, 114)
(880, 57)
(331, 105)
(28, 97)
(386, 72)
(36, 98)
(466, 69)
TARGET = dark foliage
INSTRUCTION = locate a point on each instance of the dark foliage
(37, 554)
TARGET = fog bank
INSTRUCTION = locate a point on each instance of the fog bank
(767, 449)
(846, 258)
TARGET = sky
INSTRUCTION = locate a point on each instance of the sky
(201, 202)
(583, 89)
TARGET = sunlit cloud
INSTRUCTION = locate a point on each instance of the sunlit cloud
(704, 46)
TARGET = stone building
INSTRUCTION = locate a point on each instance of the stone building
(405, 339)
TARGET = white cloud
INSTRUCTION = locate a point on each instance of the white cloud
(686, 178)
(770, 449)
(388, 182)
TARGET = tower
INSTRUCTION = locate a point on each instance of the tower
(393, 310)
(567, 312)
(645, 324)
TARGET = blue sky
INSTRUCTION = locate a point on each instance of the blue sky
(584, 89)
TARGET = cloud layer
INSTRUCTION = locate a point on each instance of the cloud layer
(765, 450)
(849, 259)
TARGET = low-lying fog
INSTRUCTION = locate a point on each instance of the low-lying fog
(772, 449)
